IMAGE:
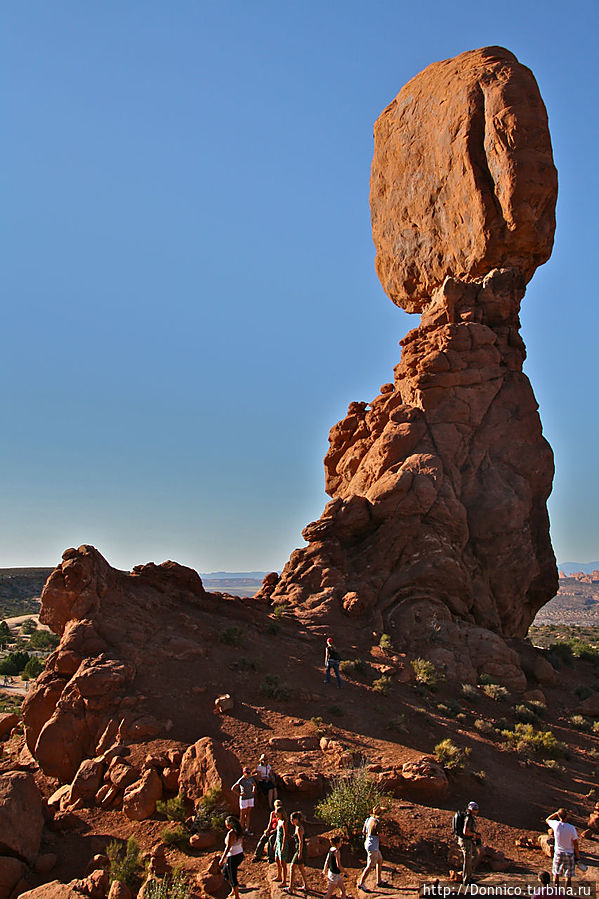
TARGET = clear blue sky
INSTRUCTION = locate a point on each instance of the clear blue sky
(189, 293)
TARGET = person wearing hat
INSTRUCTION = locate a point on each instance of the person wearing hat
(331, 660)
(246, 789)
(269, 836)
(470, 842)
(267, 783)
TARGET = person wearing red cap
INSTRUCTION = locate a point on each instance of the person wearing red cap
(331, 660)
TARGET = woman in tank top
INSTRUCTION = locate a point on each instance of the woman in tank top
(334, 869)
(232, 855)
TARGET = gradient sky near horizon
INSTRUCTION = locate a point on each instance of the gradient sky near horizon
(190, 300)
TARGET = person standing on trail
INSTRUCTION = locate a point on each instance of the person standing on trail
(334, 869)
(269, 836)
(373, 850)
(331, 660)
(565, 852)
(232, 855)
(299, 856)
(469, 842)
(246, 788)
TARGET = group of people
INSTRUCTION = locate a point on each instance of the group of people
(566, 852)
(284, 839)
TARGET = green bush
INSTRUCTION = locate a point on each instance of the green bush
(279, 610)
(43, 640)
(525, 714)
(171, 886)
(382, 685)
(29, 626)
(177, 836)
(581, 723)
(32, 669)
(174, 808)
(386, 643)
(526, 740)
(486, 728)
(125, 864)
(354, 666)
(275, 688)
(595, 727)
(427, 674)
(496, 692)
(450, 756)
(480, 776)
(231, 636)
(14, 662)
(449, 709)
(210, 812)
(486, 679)
(350, 801)
(469, 692)
(398, 724)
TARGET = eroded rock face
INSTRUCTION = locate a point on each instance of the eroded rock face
(463, 179)
(437, 531)
(21, 819)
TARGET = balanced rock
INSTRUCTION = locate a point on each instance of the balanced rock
(437, 530)
(463, 179)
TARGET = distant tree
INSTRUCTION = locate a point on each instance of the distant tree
(14, 662)
(29, 626)
(43, 640)
(33, 668)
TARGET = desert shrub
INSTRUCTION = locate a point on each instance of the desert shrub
(382, 685)
(14, 662)
(11, 703)
(336, 711)
(386, 643)
(583, 691)
(279, 610)
(581, 723)
(32, 669)
(243, 664)
(593, 754)
(427, 674)
(350, 801)
(561, 654)
(480, 776)
(171, 886)
(450, 756)
(28, 626)
(525, 714)
(461, 716)
(450, 708)
(354, 666)
(580, 650)
(496, 692)
(177, 836)
(469, 692)
(595, 727)
(526, 740)
(210, 813)
(231, 636)
(174, 808)
(397, 723)
(486, 728)
(275, 688)
(486, 679)
(317, 723)
(554, 765)
(537, 706)
(125, 864)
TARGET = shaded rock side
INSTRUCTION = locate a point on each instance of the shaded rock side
(438, 531)
(127, 641)
(463, 179)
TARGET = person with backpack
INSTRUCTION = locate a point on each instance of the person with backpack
(331, 660)
(469, 841)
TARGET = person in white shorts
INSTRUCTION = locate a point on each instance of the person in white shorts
(372, 846)
(334, 869)
(246, 788)
(565, 851)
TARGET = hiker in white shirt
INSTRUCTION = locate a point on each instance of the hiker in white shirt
(565, 852)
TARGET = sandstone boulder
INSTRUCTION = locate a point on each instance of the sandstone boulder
(207, 765)
(21, 819)
(294, 744)
(463, 179)
(119, 890)
(139, 800)
(590, 706)
(93, 887)
(425, 777)
(8, 720)
(87, 781)
(11, 870)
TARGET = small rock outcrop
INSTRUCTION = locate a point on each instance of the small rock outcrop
(21, 819)
(437, 531)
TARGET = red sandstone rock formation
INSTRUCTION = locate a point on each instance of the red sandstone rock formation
(438, 530)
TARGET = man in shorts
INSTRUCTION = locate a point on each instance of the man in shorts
(565, 852)
(470, 843)
(246, 788)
